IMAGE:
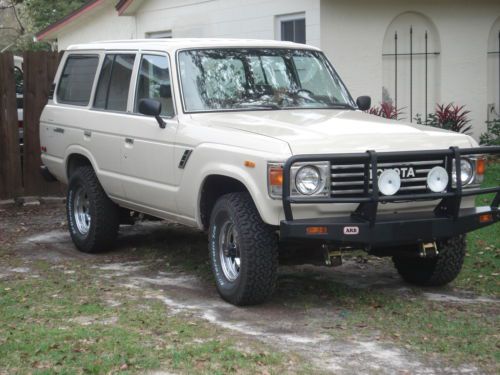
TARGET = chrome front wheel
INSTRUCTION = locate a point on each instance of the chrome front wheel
(229, 251)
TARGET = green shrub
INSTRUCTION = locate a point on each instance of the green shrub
(450, 117)
(492, 135)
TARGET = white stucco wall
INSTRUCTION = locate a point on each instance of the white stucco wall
(225, 18)
(254, 19)
(352, 33)
(100, 24)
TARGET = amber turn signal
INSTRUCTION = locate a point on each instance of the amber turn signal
(276, 176)
(317, 230)
(485, 218)
(480, 166)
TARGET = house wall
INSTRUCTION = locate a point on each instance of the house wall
(101, 24)
(352, 35)
(225, 18)
(254, 19)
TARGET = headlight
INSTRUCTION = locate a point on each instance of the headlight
(308, 180)
(466, 172)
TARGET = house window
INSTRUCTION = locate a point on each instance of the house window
(159, 34)
(410, 63)
(292, 28)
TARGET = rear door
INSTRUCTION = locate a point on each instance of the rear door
(108, 118)
(66, 120)
(147, 149)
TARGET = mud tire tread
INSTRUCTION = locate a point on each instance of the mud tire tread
(105, 214)
(258, 246)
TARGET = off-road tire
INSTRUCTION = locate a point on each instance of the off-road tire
(105, 217)
(258, 249)
(436, 271)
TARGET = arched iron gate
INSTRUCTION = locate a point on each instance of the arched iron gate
(411, 54)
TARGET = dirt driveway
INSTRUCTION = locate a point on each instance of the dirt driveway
(359, 318)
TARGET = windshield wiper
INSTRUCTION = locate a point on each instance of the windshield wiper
(342, 106)
(258, 105)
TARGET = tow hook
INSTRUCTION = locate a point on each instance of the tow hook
(333, 257)
(428, 250)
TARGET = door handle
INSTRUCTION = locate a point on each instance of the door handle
(129, 141)
(87, 134)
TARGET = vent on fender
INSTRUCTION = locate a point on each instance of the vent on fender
(185, 158)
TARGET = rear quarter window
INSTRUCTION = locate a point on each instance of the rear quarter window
(75, 84)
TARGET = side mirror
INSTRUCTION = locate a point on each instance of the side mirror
(364, 103)
(151, 107)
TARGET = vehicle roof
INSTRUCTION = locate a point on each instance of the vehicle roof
(181, 43)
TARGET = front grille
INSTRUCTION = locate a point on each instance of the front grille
(354, 180)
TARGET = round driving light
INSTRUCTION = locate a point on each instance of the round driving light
(308, 180)
(466, 171)
(437, 179)
(389, 182)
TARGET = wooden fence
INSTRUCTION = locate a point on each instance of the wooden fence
(20, 172)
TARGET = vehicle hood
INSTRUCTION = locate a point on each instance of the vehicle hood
(333, 131)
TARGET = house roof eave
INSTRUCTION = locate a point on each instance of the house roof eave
(50, 31)
(128, 7)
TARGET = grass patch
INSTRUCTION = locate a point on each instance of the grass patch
(459, 334)
(481, 271)
(62, 324)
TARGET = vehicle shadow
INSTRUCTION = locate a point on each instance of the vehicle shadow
(165, 247)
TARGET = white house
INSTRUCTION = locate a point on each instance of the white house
(415, 53)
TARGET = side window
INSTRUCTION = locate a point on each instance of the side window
(75, 84)
(114, 82)
(154, 83)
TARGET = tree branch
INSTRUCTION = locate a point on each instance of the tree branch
(22, 29)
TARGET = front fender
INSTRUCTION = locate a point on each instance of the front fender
(228, 161)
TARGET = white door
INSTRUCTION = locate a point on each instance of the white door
(148, 150)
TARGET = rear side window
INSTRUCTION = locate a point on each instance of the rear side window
(114, 82)
(76, 80)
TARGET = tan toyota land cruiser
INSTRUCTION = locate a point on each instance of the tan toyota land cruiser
(260, 144)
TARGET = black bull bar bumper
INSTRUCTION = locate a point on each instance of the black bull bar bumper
(366, 227)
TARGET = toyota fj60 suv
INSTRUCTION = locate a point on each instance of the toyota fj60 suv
(260, 144)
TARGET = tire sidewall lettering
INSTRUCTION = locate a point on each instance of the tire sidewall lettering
(220, 279)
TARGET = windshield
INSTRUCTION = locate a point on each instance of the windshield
(250, 78)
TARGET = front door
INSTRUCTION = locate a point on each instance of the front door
(147, 149)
